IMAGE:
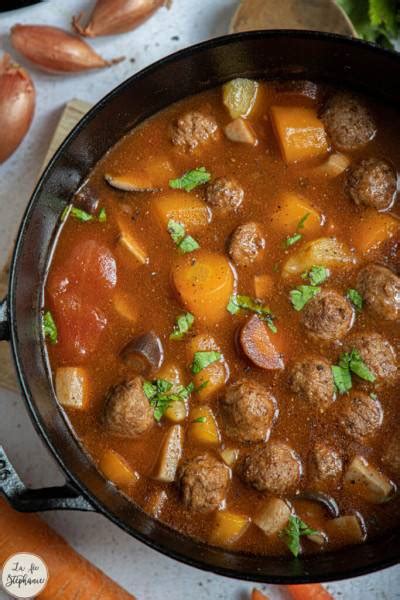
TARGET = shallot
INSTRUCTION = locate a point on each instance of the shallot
(17, 105)
(55, 50)
(117, 16)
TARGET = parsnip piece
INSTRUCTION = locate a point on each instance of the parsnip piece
(156, 502)
(334, 166)
(273, 516)
(230, 456)
(240, 131)
(325, 252)
(131, 182)
(170, 454)
(72, 387)
(240, 96)
(128, 241)
(116, 469)
(203, 428)
(346, 530)
(294, 209)
(367, 481)
(216, 374)
(228, 528)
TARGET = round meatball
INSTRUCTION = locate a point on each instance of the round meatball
(359, 415)
(128, 412)
(274, 468)
(203, 482)
(348, 122)
(372, 182)
(328, 316)
(224, 193)
(325, 463)
(376, 352)
(246, 244)
(193, 129)
(380, 288)
(311, 380)
(247, 411)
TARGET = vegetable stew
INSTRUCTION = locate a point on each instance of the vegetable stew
(222, 316)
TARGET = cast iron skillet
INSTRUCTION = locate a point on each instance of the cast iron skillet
(272, 54)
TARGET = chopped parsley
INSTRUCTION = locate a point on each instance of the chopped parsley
(294, 530)
(201, 360)
(296, 237)
(303, 294)
(317, 275)
(200, 420)
(102, 215)
(162, 393)
(190, 179)
(355, 298)
(184, 242)
(82, 215)
(49, 327)
(350, 362)
(183, 323)
(300, 224)
(237, 302)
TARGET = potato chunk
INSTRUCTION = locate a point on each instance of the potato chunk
(182, 207)
(301, 135)
(240, 96)
(204, 285)
(72, 387)
(116, 469)
(170, 454)
(230, 456)
(203, 427)
(129, 243)
(293, 209)
(240, 131)
(216, 374)
(372, 229)
(334, 166)
(228, 527)
(346, 530)
(325, 252)
(273, 516)
(368, 482)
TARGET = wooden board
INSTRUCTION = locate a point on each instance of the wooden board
(72, 113)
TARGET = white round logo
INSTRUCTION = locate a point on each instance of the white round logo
(24, 575)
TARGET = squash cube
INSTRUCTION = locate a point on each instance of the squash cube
(182, 207)
(228, 527)
(216, 374)
(373, 229)
(116, 469)
(203, 428)
(292, 210)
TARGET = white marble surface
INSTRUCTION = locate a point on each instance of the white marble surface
(142, 571)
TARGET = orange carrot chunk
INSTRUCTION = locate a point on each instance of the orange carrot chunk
(257, 595)
(311, 591)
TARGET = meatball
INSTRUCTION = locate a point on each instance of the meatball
(391, 455)
(274, 468)
(325, 463)
(192, 130)
(128, 412)
(348, 122)
(247, 411)
(246, 244)
(380, 288)
(377, 354)
(328, 316)
(372, 182)
(224, 193)
(203, 482)
(359, 415)
(311, 379)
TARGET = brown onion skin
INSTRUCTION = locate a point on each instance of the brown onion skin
(55, 50)
(117, 16)
(17, 106)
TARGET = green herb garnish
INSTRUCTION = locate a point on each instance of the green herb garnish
(316, 275)
(294, 530)
(102, 215)
(375, 20)
(355, 298)
(80, 214)
(183, 323)
(237, 302)
(184, 242)
(350, 362)
(50, 327)
(200, 420)
(162, 393)
(190, 179)
(303, 294)
(201, 360)
(296, 237)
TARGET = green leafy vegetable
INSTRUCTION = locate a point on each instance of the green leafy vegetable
(190, 179)
(200, 420)
(183, 323)
(161, 393)
(201, 360)
(294, 530)
(237, 302)
(355, 298)
(184, 242)
(375, 20)
(292, 239)
(102, 215)
(303, 294)
(350, 362)
(50, 327)
(316, 275)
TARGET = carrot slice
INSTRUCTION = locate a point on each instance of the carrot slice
(257, 595)
(310, 591)
(257, 346)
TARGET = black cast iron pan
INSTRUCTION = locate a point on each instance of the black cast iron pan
(271, 54)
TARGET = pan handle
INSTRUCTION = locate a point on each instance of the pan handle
(65, 497)
(4, 322)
